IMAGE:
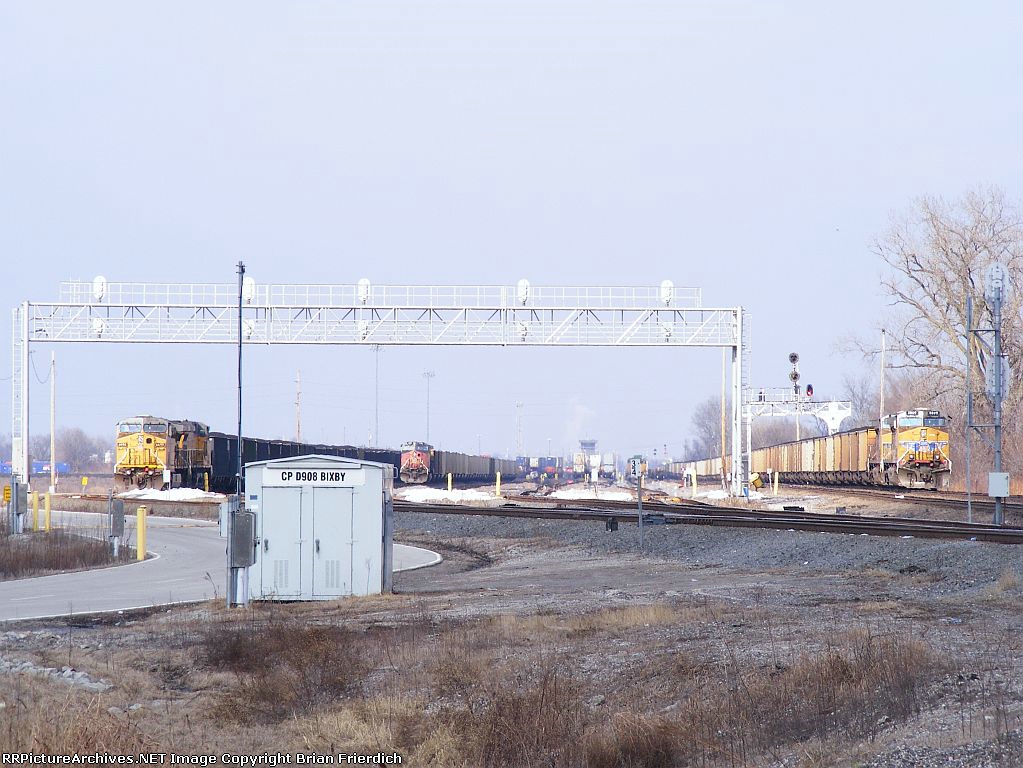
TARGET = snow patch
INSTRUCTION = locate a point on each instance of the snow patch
(591, 493)
(174, 494)
(712, 495)
(424, 495)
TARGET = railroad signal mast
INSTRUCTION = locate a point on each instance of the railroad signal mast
(782, 401)
(794, 378)
(997, 376)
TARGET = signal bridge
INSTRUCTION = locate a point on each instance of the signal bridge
(782, 401)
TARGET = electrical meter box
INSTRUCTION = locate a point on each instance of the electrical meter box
(321, 527)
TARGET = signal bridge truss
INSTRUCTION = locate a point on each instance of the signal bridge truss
(522, 315)
(784, 402)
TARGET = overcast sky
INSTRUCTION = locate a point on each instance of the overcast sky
(751, 149)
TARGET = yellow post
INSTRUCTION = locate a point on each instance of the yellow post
(694, 482)
(35, 510)
(46, 512)
(776, 482)
(449, 482)
(206, 481)
(498, 493)
(140, 533)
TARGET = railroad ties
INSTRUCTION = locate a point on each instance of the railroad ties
(688, 512)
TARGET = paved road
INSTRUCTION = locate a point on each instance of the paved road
(188, 566)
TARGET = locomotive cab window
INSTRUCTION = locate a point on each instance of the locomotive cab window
(939, 421)
(126, 427)
(155, 428)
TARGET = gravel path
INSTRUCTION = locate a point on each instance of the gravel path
(952, 566)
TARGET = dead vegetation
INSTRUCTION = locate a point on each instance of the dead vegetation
(38, 553)
(664, 684)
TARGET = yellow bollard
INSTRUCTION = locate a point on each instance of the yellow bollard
(776, 482)
(449, 482)
(694, 482)
(46, 512)
(498, 493)
(140, 533)
(35, 510)
(206, 481)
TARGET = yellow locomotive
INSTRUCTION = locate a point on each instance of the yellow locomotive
(914, 453)
(161, 453)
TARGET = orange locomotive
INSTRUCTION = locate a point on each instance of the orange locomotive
(415, 462)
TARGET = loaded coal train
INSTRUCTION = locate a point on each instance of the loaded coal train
(909, 449)
(422, 463)
(153, 452)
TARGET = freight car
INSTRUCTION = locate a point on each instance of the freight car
(152, 452)
(421, 463)
(161, 453)
(225, 455)
(912, 452)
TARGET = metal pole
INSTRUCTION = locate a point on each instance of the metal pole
(518, 428)
(639, 504)
(880, 409)
(376, 395)
(739, 478)
(724, 449)
(997, 361)
(232, 586)
(53, 422)
(26, 464)
(298, 406)
(428, 375)
(969, 406)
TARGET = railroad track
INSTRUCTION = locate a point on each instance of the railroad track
(657, 509)
(696, 513)
(945, 500)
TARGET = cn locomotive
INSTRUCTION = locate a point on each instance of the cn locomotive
(908, 449)
(421, 463)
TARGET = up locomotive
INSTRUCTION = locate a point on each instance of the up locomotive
(908, 449)
(152, 452)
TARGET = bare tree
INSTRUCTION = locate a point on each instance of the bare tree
(39, 447)
(938, 256)
(75, 447)
(706, 439)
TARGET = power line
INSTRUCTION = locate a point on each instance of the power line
(31, 358)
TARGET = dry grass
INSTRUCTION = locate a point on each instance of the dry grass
(741, 714)
(34, 554)
(282, 668)
(1005, 589)
(662, 684)
(1009, 580)
(43, 720)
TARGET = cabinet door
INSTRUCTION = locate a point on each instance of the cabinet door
(280, 532)
(332, 542)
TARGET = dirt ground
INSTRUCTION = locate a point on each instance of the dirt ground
(683, 624)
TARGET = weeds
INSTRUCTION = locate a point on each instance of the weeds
(33, 554)
(283, 668)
